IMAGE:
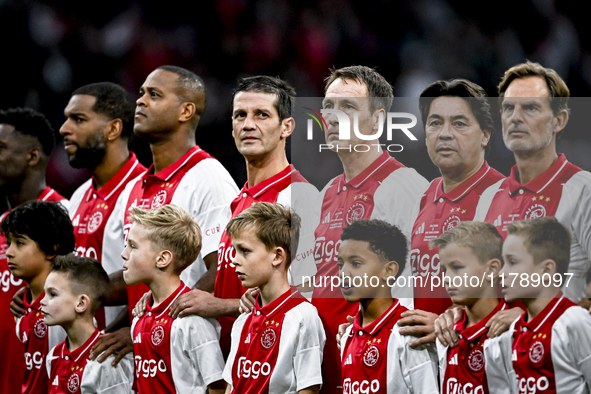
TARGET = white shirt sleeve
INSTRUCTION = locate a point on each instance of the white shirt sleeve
(485, 201)
(206, 192)
(48, 359)
(395, 203)
(442, 359)
(571, 351)
(307, 361)
(418, 366)
(236, 332)
(103, 378)
(196, 358)
(498, 364)
(301, 197)
(574, 212)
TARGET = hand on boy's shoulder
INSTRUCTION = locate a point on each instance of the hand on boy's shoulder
(444, 325)
(204, 304)
(248, 300)
(17, 306)
(502, 320)
(118, 342)
(420, 324)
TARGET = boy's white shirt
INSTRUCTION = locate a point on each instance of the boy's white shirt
(196, 340)
(103, 378)
(570, 349)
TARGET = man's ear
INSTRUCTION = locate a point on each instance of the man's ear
(560, 121)
(34, 156)
(280, 256)
(287, 127)
(114, 129)
(83, 303)
(486, 133)
(391, 269)
(187, 111)
(379, 113)
(164, 259)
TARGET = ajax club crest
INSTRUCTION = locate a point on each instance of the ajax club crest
(94, 222)
(476, 360)
(268, 338)
(536, 352)
(40, 329)
(159, 199)
(73, 383)
(157, 335)
(371, 356)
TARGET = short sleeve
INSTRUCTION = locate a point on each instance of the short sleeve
(307, 361)
(195, 340)
(498, 364)
(103, 378)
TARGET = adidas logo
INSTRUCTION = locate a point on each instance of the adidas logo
(453, 360)
(76, 221)
(326, 219)
(421, 229)
(514, 356)
(247, 339)
(498, 221)
(138, 338)
(349, 360)
(55, 381)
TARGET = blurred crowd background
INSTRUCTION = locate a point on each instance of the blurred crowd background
(50, 48)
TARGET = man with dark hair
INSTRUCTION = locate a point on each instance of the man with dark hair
(26, 141)
(458, 125)
(99, 121)
(534, 112)
(167, 113)
(373, 185)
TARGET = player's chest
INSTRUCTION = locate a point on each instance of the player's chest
(521, 205)
(91, 217)
(152, 334)
(67, 376)
(465, 366)
(153, 193)
(260, 339)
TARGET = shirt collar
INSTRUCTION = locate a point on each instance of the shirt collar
(476, 330)
(537, 322)
(35, 304)
(117, 182)
(538, 184)
(375, 326)
(272, 308)
(367, 173)
(82, 350)
(172, 169)
(282, 177)
(165, 305)
(463, 188)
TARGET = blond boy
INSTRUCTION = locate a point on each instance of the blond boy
(171, 355)
(471, 258)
